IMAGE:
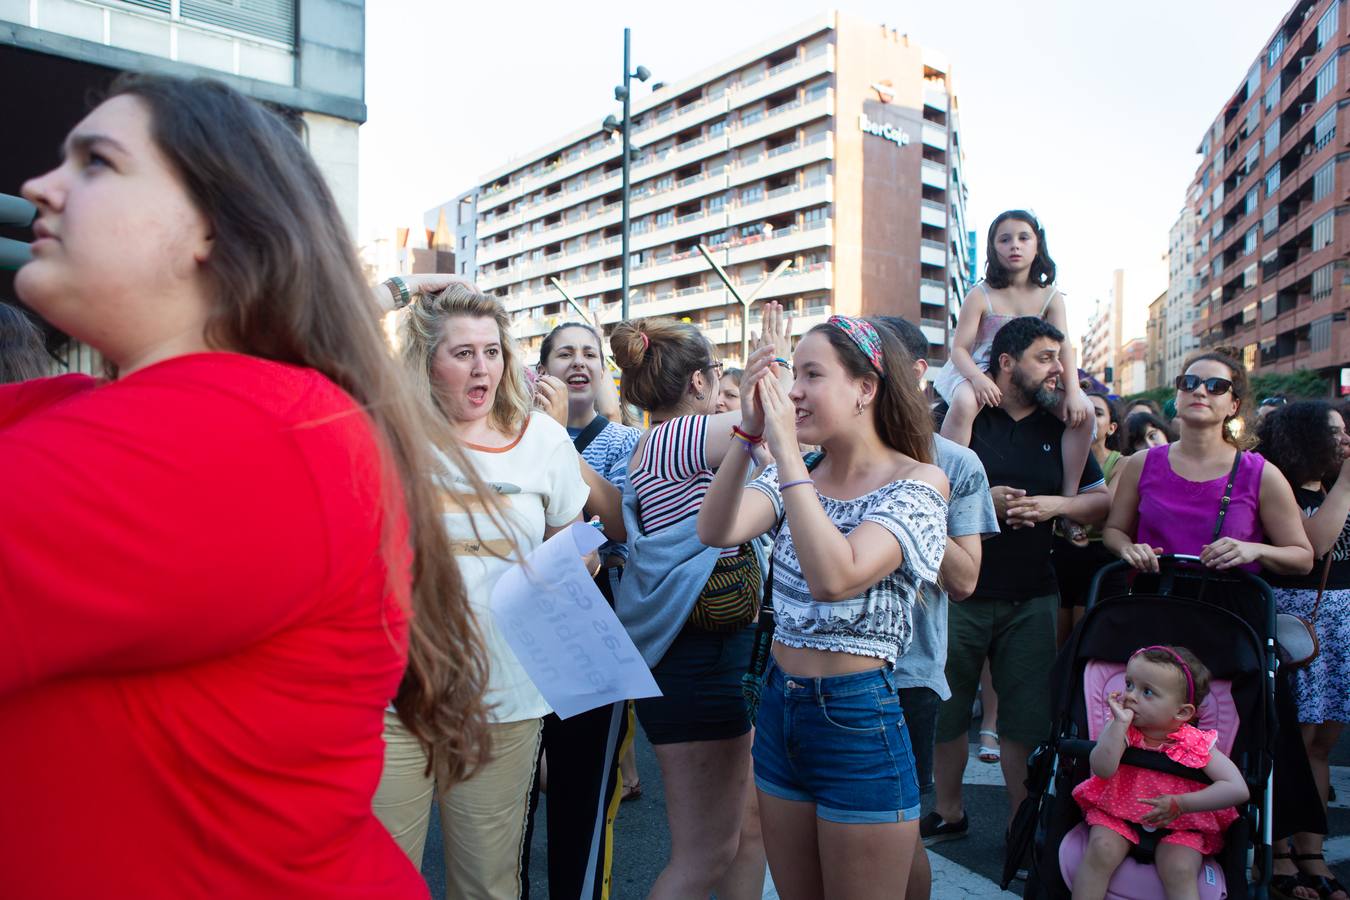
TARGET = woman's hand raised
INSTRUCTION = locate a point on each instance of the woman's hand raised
(780, 419)
(756, 369)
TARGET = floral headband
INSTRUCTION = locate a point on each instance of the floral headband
(1190, 681)
(861, 333)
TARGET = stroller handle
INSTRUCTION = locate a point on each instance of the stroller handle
(1171, 563)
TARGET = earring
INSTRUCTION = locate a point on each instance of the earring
(859, 410)
(699, 396)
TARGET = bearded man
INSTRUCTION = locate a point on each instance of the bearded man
(1010, 617)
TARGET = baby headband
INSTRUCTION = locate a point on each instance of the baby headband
(861, 333)
(1190, 682)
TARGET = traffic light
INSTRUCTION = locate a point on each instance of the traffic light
(15, 212)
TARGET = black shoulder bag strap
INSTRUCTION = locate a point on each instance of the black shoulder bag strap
(1223, 513)
(759, 652)
(589, 433)
(1227, 495)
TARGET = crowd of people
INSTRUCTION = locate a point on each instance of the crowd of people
(246, 578)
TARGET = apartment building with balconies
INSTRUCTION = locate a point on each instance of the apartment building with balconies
(1271, 194)
(834, 146)
(1179, 339)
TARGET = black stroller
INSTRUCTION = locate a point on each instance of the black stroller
(1228, 620)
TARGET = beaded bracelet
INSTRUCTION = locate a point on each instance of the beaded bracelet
(784, 487)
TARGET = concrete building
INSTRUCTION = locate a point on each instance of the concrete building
(1271, 194)
(1095, 351)
(834, 146)
(1132, 367)
(305, 58)
(1102, 339)
(1155, 341)
(1179, 336)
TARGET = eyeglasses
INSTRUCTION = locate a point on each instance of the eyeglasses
(716, 367)
(1189, 383)
(1274, 401)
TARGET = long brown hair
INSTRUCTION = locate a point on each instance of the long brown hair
(424, 329)
(21, 351)
(287, 287)
(1231, 359)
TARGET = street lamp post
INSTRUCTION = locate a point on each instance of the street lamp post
(624, 93)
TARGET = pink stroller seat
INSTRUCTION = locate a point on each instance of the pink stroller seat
(1135, 880)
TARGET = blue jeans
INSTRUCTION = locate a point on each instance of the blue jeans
(839, 743)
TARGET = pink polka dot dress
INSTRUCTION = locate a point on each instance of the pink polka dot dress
(1116, 801)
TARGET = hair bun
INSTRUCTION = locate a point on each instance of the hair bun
(1228, 350)
(629, 343)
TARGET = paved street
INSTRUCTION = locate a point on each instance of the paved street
(963, 868)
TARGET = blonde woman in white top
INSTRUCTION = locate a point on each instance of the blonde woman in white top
(458, 348)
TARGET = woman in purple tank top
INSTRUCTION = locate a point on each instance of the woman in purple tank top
(1167, 499)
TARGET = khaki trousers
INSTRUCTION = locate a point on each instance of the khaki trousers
(482, 819)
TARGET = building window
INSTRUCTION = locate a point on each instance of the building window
(1326, 79)
(1272, 98)
(1270, 222)
(1250, 203)
(1271, 141)
(1268, 307)
(1249, 241)
(1321, 282)
(752, 194)
(1324, 180)
(1249, 277)
(1326, 26)
(717, 203)
(1272, 179)
(1322, 231)
(1319, 334)
(1325, 129)
(1276, 51)
(1254, 79)
(272, 19)
(665, 217)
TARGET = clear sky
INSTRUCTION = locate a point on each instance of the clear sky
(1088, 113)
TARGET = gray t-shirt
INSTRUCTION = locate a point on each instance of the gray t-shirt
(969, 511)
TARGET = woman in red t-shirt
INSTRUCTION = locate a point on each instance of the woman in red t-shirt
(208, 565)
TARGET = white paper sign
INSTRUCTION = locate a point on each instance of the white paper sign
(562, 630)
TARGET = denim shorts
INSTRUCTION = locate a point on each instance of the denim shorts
(839, 743)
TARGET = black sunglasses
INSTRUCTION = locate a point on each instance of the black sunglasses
(1214, 386)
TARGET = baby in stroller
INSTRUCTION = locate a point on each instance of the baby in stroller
(1164, 687)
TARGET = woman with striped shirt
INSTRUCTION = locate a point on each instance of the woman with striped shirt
(684, 604)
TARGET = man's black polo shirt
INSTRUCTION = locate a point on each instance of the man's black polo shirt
(1023, 454)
